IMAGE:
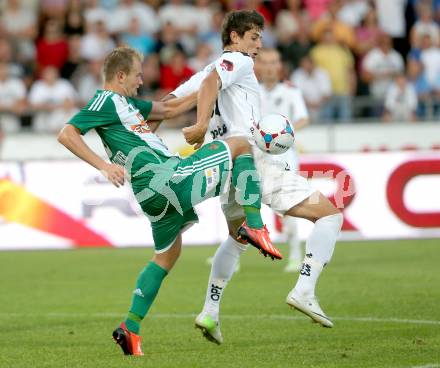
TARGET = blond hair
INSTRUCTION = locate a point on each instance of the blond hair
(120, 60)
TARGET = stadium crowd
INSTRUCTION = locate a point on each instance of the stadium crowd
(352, 59)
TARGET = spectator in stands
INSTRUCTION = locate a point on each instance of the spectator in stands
(96, 43)
(20, 26)
(380, 66)
(296, 49)
(151, 78)
(6, 56)
(53, 8)
(338, 61)
(367, 34)
(259, 6)
(182, 17)
(53, 100)
(12, 101)
(175, 72)
(425, 25)
(417, 78)
(138, 39)
(289, 21)
(203, 12)
(213, 35)
(400, 100)
(167, 43)
(121, 16)
(316, 8)
(292, 30)
(392, 21)
(52, 46)
(74, 60)
(343, 33)
(89, 80)
(315, 86)
(94, 12)
(74, 22)
(202, 57)
(352, 12)
(430, 58)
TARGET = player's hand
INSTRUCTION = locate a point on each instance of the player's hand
(114, 173)
(194, 135)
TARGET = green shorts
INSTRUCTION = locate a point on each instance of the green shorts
(204, 174)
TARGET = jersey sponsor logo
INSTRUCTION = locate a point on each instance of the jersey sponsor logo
(141, 128)
(220, 131)
(227, 65)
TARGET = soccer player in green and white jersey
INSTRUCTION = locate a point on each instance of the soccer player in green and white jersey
(166, 186)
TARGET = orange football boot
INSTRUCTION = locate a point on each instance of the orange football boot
(129, 342)
(259, 238)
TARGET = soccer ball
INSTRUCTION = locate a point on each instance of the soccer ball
(273, 134)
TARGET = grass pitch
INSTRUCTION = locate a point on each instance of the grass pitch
(58, 309)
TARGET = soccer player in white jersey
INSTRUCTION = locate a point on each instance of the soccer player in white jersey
(228, 105)
(285, 99)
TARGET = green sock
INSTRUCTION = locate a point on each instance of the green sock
(147, 287)
(247, 186)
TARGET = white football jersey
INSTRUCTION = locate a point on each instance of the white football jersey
(286, 100)
(238, 101)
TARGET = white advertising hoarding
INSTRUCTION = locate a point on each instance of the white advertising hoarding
(63, 204)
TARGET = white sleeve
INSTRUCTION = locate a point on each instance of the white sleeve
(193, 84)
(231, 67)
(299, 106)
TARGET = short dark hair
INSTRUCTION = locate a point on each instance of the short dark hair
(240, 21)
(120, 59)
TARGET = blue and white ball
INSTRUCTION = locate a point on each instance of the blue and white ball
(273, 134)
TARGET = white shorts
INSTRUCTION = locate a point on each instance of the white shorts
(281, 188)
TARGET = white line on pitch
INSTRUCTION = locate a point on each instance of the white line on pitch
(434, 365)
(238, 316)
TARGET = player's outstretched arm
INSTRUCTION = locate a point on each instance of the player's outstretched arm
(173, 107)
(206, 98)
(70, 138)
(154, 124)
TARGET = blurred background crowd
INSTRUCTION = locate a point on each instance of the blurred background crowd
(354, 60)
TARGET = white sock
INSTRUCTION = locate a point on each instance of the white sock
(319, 251)
(223, 267)
(291, 228)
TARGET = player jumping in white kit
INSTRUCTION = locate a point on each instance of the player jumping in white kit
(228, 105)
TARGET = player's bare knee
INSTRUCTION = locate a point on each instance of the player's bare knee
(168, 259)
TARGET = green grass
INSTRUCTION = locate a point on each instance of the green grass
(58, 308)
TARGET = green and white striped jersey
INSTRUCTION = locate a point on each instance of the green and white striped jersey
(121, 122)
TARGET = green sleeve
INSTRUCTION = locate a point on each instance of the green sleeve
(144, 106)
(88, 119)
